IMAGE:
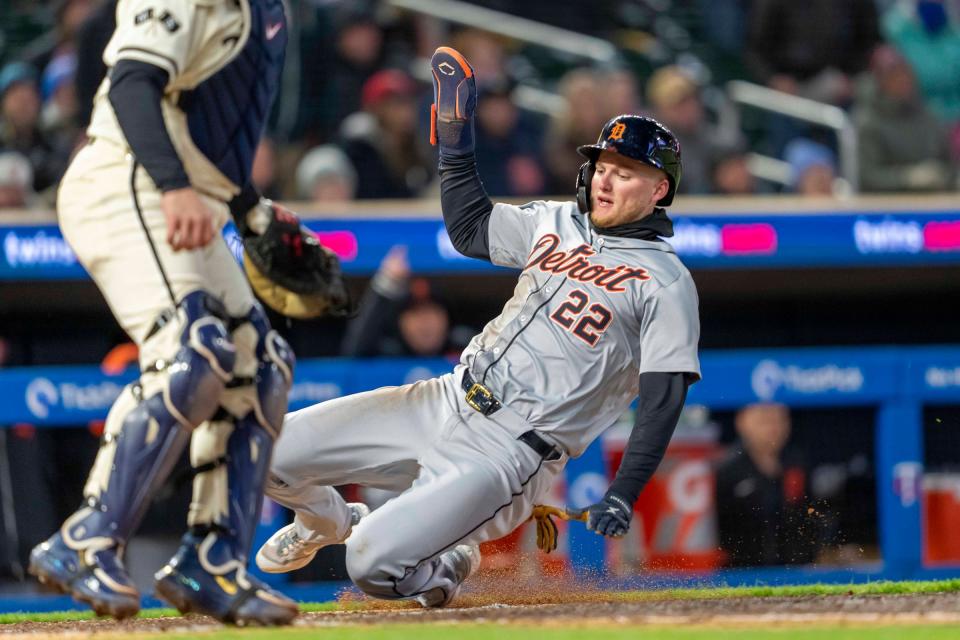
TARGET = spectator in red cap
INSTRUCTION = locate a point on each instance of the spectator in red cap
(381, 142)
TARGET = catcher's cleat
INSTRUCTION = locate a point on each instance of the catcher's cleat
(287, 551)
(94, 577)
(232, 597)
(464, 560)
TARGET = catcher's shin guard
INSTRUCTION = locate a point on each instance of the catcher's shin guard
(218, 546)
(146, 431)
(250, 446)
(231, 456)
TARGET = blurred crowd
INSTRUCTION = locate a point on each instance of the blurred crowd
(352, 124)
(352, 121)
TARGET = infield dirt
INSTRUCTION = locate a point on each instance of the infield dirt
(590, 610)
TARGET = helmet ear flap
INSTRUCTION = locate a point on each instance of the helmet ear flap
(584, 178)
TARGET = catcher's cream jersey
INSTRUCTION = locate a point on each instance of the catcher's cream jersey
(191, 40)
(589, 314)
(224, 60)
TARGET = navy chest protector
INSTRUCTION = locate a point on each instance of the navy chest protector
(227, 112)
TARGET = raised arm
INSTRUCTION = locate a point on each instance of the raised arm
(661, 400)
(465, 204)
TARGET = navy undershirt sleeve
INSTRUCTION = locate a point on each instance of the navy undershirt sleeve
(136, 91)
(465, 204)
(247, 199)
(661, 400)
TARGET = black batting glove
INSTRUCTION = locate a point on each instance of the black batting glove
(610, 517)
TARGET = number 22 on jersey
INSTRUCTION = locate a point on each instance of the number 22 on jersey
(587, 326)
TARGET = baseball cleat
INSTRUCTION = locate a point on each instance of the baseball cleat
(464, 560)
(454, 90)
(96, 578)
(287, 551)
(232, 597)
(451, 71)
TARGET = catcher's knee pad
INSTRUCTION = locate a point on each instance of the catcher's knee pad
(149, 425)
(275, 363)
(263, 373)
(193, 381)
(234, 462)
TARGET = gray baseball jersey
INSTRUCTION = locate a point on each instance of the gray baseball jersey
(589, 314)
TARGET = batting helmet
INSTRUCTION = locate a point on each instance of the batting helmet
(637, 137)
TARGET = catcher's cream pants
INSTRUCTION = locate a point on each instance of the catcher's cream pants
(112, 219)
(109, 212)
(466, 479)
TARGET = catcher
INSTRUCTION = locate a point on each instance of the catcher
(172, 137)
(603, 311)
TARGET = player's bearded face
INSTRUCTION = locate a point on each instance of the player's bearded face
(624, 190)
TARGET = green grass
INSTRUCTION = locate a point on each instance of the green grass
(310, 607)
(528, 631)
(865, 589)
(70, 616)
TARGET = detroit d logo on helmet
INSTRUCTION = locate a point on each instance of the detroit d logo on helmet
(617, 132)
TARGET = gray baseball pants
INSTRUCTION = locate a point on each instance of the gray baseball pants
(465, 478)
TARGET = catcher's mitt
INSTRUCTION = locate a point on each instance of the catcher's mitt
(287, 266)
(547, 532)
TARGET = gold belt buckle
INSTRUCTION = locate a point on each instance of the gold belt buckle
(475, 390)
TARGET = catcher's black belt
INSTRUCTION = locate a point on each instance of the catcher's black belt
(482, 400)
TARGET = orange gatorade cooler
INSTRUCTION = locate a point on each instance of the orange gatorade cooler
(674, 526)
(941, 518)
